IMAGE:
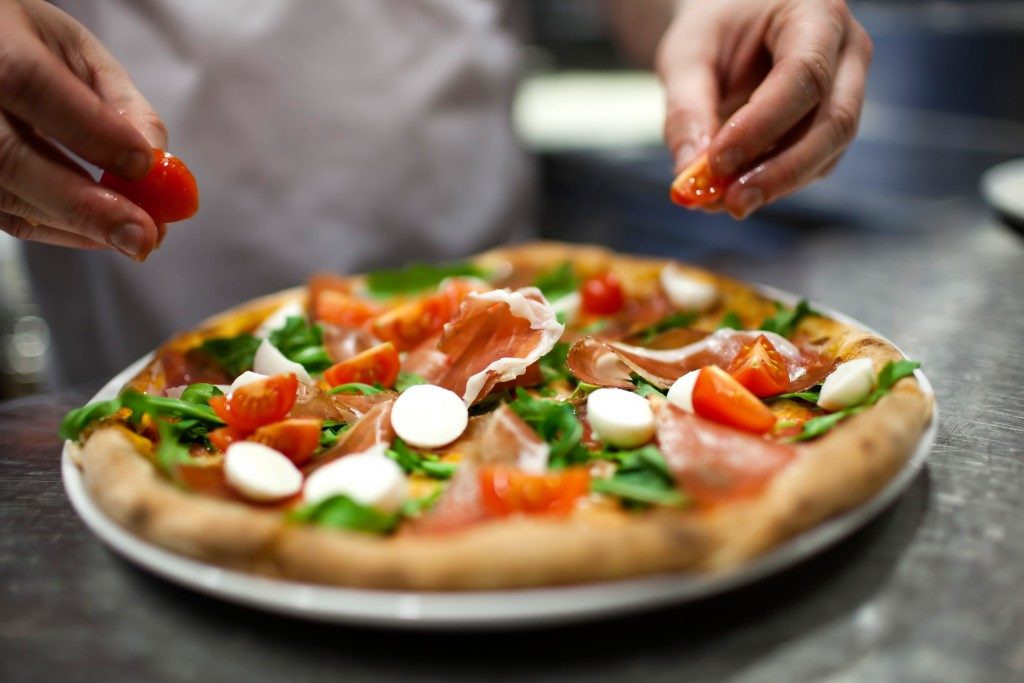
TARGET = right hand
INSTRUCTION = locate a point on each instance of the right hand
(59, 84)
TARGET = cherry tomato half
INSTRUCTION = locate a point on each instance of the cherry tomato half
(760, 368)
(168, 193)
(344, 310)
(719, 397)
(378, 364)
(695, 186)
(297, 438)
(257, 403)
(508, 490)
(409, 324)
(602, 294)
(223, 437)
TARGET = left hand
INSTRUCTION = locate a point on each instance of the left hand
(786, 77)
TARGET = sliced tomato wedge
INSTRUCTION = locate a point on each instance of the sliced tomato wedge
(719, 397)
(344, 310)
(258, 403)
(760, 368)
(378, 364)
(168, 193)
(223, 437)
(696, 187)
(602, 294)
(508, 490)
(409, 324)
(297, 438)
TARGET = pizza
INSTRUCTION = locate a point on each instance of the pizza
(536, 415)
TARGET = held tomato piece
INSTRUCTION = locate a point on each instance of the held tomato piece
(297, 438)
(378, 364)
(344, 310)
(222, 437)
(258, 403)
(602, 294)
(508, 490)
(719, 397)
(409, 324)
(760, 368)
(168, 193)
(695, 186)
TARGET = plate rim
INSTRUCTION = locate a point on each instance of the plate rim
(487, 609)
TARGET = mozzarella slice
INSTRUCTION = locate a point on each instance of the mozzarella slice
(428, 416)
(620, 418)
(848, 385)
(686, 291)
(269, 361)
(247, 377)
(680, 394)
(369, 478)
(568, 307)
(259, 472)
(277, 319)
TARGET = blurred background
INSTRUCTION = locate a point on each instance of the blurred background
(945, 103)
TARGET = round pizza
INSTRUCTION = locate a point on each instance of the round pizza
(536, 415)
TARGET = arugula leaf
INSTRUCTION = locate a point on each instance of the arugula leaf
(75, 422)
(169, 450)
(302, 342)
(730, 321)
(163, 406)
(414, 507)
(594, 327)
(646, 389)
(416, 277)
(558, 282)
(893, 372)
(642, 478)
(234, 354)
(423, 463)
(200, 393)
(809, 395)
(355, 388)
(680, 319)
(556, 423)
(785, 320)
(330, 431)
(553, 365)
(408, 379)
(344, 513)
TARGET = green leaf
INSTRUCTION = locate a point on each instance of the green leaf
(645, 389)
(75, 422)
(676, 320)
(169, 452)
(893, 372)
(302, 342)
(730, 321)
(330, 431)
(423, 463)
(341, 512)
(163, 406)
(642, 478)
(234, 354)
(200, 393)
(414, 507)
(786, 320)
(809, 395)
(408, 379)
(416, 277)
(557, 283)
(553, 366)
(817, 426)
(556, 423)
(594, 327)
(355, 388)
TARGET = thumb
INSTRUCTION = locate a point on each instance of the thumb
(691, 105)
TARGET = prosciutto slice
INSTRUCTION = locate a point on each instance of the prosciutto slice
(313, 403)
(713, 463)
(344, 342)
(374, 428)
(610, 363)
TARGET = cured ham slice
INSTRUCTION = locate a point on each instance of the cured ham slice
(713, 463)
(343, 343)
(496, 337)
(313, 403)
(610, 363)
(374, 428)
(427, 361)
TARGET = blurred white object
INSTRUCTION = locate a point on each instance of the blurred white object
(1002, 187)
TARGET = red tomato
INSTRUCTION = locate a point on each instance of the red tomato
(344, 310)
(719, 397)
(168, 193)
(602, 294)
(760, 368)
(374, 365)
(508, 490)
(297, 438)
(695, 186)
(409, 324)
(257, 403)
(224, 437)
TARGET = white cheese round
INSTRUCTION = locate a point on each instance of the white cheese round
(369, 478)
(620, 418)
(270, 361)
(686, 291)
(848, 385)
(680, 394)
(428, 416)
(247, 377)
(259, 472)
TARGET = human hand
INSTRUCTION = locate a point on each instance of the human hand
(58, 84)
(772, 89)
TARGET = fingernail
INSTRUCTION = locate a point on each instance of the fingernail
(749, 199)
(128, 239)
(728, 162)
(131, 163)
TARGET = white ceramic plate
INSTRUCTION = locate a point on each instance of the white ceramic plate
(490, 609)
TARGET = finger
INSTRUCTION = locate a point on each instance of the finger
(42, 176)
(805, 55)
(16, 206)
(832, 128)
(36, 86)
(115, 86)
(21, 229)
